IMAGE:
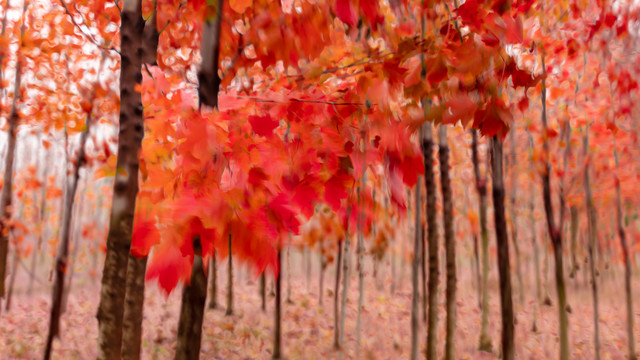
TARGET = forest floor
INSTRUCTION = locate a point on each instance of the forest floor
(308, 326)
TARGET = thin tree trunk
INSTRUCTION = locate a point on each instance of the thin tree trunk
(513, 212)
(423, 265)
(360, 253)
(449, 241)
(230, 282)
(415, 274)
(194, 296)
(7, 188)
(74, 253)
(506, 301)
(125, 187)
(322, 266)
(534, 241)
(263, 291)
(555, 232)
(38, 215)
(62, 257)
(213, 282)
(481, 188)
(575, 266)
(476, 267)
(288, 271)
(12, 280)
(336, 304)
(591, 226)
(277, 340)
(627, 266)
(432, 239)
(345, 278)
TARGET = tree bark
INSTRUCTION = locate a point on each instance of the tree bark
(345, 278)
(627, 265)
(575, 265)
(415, 274)
(513, 212)
(62, 257)
(213, 282)
(125, 187)
(481, 188)
(506, 301)
(7, 188)
(360, 251)
(288, 271)
(208, 78)
(263, 291)
(277, 340)
(449, 242)
(432, 240)
(336, 304)
(133, 308)
(230, 282)
(194, 296)
(555, 232)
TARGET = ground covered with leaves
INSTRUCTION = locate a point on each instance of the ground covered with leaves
(308, 326)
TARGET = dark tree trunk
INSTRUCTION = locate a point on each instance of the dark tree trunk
(7, 188)
(134, 303)
(125, 187)
(449, 241)
(277, 340)
(322, 266)
(555, 232)
(194, 296)
(506, 301)
(336, 304)
(230, 282)
(476, 266)
(213, 282)
(415, 274)
(12, 280)
(591, 226)
(432, 240)
(263, 291)
(575, 265)
(627, 267)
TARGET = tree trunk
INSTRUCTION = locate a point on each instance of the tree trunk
(575, 266)
(133, 308)
(288, 271)
(513, 212)
(39, 216)
(345, 278)
(555, 232)
(277, 340)
(322, 266)
(476, 267)
(125, 187)
(360, 250)
(534, 241)
(213, 282)
(432, 239)
(591, 226)
(506, 301)
(74, 253)
(336, 304)
(230, 282)
(12, 280)
(627, 266)
(415, 274)
(62, 257)
(194, 296)
(263, 291)
(423, 265)
(449, 241)
(7, 188)
(481, 188)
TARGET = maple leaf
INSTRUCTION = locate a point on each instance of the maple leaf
(335, 189)
(239, 6)
(345, 12)
(263, 125)
(459, 107)
(493, 119)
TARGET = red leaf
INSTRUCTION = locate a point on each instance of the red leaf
(335, 189)
(345, 12)
(263, 125)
